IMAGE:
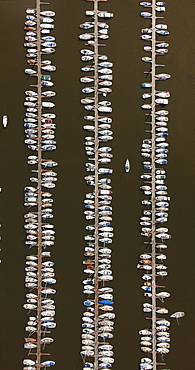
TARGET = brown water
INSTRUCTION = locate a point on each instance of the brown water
(124, 49)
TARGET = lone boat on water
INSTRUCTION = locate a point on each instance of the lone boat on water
(127, 165)
(4, 121)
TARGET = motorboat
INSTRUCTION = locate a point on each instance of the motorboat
(47, 363)
(48, 50)
(147, 48)
(30, 71)
(145, 3)
(48, 105)
(147, 59)
(146, 37)
(47, 38)
(86, 25)
(163, 94)
(105, 70)
(146, 14)
(88, 90)
(105, 83)
(105, 119)
(177, 315)
(146, 30)
(49, 68)
(105, 90)
(87, 52)
(47, 25)
(47, 83)
(146, 84)
(86, 36)
(105, 109)
(162, 45)
(160, 8)
(161, 26)
(162, 76)
(49, 44)
(161, 51)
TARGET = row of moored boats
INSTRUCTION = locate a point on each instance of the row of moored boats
(41, 183)
(98, 171)
(154, 150)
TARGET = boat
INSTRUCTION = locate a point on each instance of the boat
(161, 101)
(48, 68)
(47, 363)
(146, 14)
(160, 8)
(105, 70)
(162, 45)
(163, 76)
(146, 37)
(161, 51)
(48, 105)
(87, 52)
(48, 50)
(104, 14)
(147, 59)
(145, 3)
(177, 315)
(146, 84)
(4, 121)
(47, 25)
(161, 26)
(127, 165)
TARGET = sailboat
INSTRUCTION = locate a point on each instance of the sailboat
(127, 165)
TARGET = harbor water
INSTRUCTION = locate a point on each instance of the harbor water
(125, 50)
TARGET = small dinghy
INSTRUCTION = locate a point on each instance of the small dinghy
(127, 165)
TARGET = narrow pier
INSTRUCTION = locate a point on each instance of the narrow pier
(96, 182)
(153, 172)
(39, 277)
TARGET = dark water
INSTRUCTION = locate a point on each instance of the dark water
(124, 48)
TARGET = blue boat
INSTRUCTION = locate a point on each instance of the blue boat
(107, 302)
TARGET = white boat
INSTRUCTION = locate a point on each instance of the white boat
(146, 30)
(105, 70)
(177, 315)
(162, 45)
(161, 26)
(104, 14)
(146, 37)
(47, 38)
(47, 105)
(147, 48)
(147, 59)
(30, 71)
(127, 165)
(145, 3)
(105, 83)
(47, 25)
(160, 8)
(161, 51)
(86, 36)
(161, 101)
(49, 68)
(48, 13)
(47, 83)
(163, 76)
(105, 109)
(48, 50)
(163, 94)
(4, 121)
(146, 14)
(87, 52)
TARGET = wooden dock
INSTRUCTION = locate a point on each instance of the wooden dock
(153, 239)
(39, 278)
(96, 284)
